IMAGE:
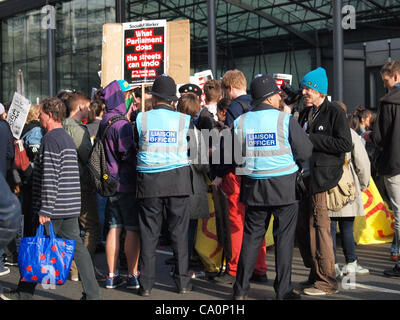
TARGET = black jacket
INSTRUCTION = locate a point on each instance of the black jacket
(281, 190)
(205, 120)
(6, 148)
(10, 214)
(235, 109)
(331, 138)
(386, 133)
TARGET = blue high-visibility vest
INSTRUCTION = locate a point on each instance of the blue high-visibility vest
(162, 140)
(266, 150)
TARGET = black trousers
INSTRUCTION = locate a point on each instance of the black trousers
(255, 226)
(150, 223)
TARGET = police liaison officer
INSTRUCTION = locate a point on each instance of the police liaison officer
(163, 181)
(271, 143)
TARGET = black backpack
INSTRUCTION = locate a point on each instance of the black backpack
(245, 107)
(103, 182)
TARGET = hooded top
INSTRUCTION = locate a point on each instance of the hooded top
(386, 133)
(119, 143)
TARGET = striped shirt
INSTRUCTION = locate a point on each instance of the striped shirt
(56, 189)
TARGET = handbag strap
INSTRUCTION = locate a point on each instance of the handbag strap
(347, 159)
(52, 233)
(40, 231)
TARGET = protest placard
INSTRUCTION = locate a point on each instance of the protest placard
(144, 51)
(176, 52)
(17, 114)
(281, 78)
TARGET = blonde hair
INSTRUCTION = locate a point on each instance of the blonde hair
(33, 113)
(234, 78)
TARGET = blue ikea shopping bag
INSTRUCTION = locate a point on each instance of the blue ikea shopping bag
(45, 259)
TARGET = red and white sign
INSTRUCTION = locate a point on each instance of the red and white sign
(200, 78)
(144, 51)
(281, 78)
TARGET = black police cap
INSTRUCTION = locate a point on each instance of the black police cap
(189, 87)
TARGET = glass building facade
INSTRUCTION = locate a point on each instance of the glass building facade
(246, 40)
(78, 42)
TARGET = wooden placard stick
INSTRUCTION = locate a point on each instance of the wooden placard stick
(143, 99)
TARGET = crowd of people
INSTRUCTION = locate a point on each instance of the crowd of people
(269, 159)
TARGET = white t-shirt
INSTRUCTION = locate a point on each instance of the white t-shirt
(213, 109)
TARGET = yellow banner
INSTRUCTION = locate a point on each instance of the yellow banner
(207, 245)
(378, 224)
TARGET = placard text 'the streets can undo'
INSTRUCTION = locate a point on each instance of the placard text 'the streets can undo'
(144, 51)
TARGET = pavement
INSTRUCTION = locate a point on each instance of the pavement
(374, 286)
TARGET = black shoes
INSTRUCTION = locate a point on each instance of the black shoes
(292, 295)
(187, 289)
(10, 260)
(306, 284)
(394, 272)
(144, 293)
(225, 278)
(262, 278)
(171, 260)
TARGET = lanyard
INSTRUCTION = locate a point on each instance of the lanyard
(312, 115)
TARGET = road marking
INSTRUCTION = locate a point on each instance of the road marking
(168, 253)
(377, 289)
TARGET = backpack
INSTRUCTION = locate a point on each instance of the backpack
(103, 182)
(245, 107)
(33, 138)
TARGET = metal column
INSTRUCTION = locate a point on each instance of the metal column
(338, 53)
(120, 11)
(51, 53)
(318, 52)
(212, 38)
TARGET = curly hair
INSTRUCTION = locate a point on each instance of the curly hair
(33, 113)
(55, 107)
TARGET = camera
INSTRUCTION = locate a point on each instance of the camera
(293, 95)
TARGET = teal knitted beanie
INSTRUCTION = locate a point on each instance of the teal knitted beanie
(317, 80)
